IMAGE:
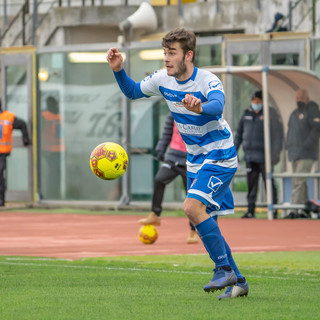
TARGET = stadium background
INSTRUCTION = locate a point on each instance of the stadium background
(60, 51)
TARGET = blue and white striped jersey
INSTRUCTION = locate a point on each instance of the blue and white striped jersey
(208, 138)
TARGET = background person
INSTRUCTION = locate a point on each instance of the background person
(196, 99)
(250, 133)
(303, 147)
(8, 122)
(276, 26)
(174, 165)
(52, 145)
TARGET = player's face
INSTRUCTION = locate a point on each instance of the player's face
(175, 61)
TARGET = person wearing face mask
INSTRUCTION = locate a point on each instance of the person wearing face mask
(250, 134)
(302, 144)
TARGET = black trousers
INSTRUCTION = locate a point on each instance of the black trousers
(3, 167)
(254, 169)
(167, 173)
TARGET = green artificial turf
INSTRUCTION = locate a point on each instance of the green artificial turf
(283, 285)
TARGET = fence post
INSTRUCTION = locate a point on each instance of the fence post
(258, 4)
(35, 21)
(314, 22)
(5, 17)
(218, 6)
(290, 16)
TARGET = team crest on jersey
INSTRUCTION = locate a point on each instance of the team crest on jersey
(214, 183)
(215, 85)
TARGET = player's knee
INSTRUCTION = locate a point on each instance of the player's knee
(190, 209)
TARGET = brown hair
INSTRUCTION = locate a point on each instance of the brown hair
(187, 40)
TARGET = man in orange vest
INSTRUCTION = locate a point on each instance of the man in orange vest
(8, 122)
(52, 145)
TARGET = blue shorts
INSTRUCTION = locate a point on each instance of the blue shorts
(211, 187)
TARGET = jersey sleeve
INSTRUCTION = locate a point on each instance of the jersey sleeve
(212, 84)
(129, 87)
(150, 84)
(213, 91)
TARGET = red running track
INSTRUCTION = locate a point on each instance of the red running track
(73, 236)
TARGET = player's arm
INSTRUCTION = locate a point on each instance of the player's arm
(129, 87)
(214, 106)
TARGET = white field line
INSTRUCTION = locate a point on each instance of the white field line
(147, 270)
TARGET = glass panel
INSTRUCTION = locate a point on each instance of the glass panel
(242, 90)
(208, 55)
(243, 59)
(17, 170)
(291, 59)
(317, 56)
(17, 102)
(90, 110)
(241, 97)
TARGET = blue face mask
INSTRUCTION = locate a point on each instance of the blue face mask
(256, 106)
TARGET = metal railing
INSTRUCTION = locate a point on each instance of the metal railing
(293, 5)
(31, 14)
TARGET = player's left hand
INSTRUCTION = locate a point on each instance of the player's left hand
(192, 103)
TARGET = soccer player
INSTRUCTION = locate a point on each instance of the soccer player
(196, 99)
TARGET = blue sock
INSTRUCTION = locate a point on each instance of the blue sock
(231, 261)
(213, 241)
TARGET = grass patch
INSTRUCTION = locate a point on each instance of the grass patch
(260, 214)
(283, 285)
(67, 210)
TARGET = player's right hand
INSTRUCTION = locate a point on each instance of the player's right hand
(115, 59)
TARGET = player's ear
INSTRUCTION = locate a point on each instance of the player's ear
(189, 55)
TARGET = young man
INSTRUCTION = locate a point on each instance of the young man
(250, 133)
(196, 99)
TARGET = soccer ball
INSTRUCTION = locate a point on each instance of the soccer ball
(148, 234)
(108, 161)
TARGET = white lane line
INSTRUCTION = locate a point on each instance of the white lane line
(307, 276)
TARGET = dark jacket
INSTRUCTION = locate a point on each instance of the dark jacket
(21, 125)
(303, 133)
(173, 155)
(251, 135)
